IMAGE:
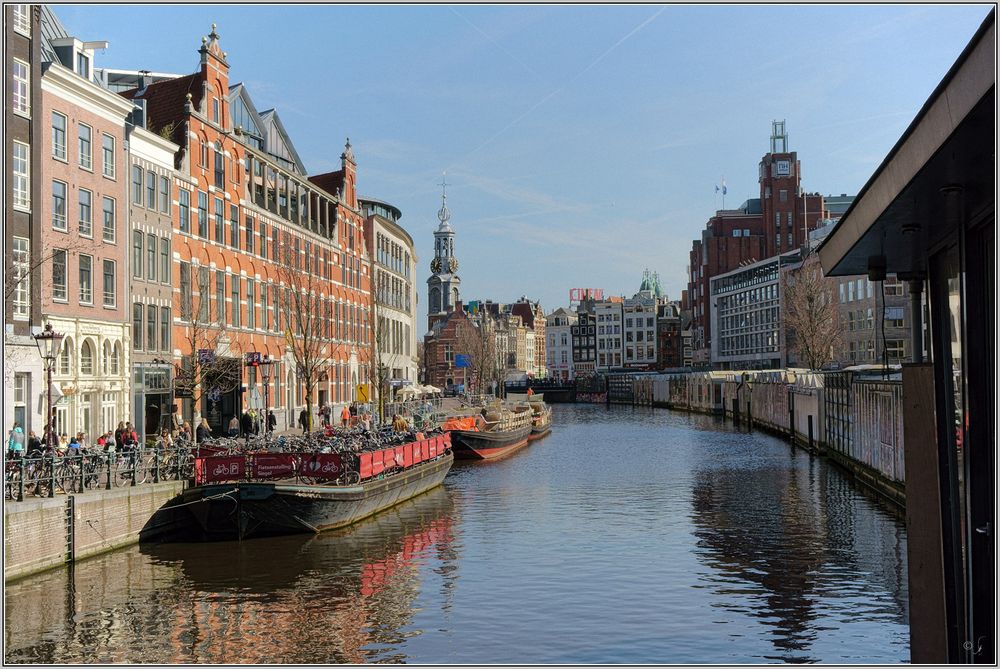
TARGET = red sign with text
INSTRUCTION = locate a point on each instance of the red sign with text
(221, 468)
(273, 466)
(321, 466)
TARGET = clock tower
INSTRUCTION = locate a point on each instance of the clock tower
(443, 284)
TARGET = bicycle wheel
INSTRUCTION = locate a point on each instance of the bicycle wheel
(65, 478)
(122, 473)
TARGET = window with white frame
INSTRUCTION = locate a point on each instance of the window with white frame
(21, 97)
(59, 205)
(86, 213)
(21, 15)
(87, 358)
(59, 275)
(66, 356)
(21, 400)
(86, 279)
(109, 410)
(108, 151)
(136, 184)
(21, 257)
(116, 359)
(108, 232)
(84, 140)
(21, 165)
(164, 260)
(109, 283)
(137, 254)
(164, 195)
(150, 189)
(58, 136)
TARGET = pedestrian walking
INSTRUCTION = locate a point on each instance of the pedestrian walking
(272, 422)
(15, 444)
(204, 432)
(345, 416)
(304, 421)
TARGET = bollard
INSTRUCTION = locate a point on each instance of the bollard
(111, 466)
(791, 423)
(810, 432)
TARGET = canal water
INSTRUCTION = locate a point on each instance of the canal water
(629, 535)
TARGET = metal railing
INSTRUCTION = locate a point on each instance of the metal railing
(49, 474)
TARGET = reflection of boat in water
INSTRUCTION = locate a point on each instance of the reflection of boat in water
(343, 596)
(505, 431)
(240, 510)
(272, 564)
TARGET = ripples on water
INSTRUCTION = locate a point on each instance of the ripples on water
(628, 535)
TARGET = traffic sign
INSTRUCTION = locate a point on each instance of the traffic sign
(362, 389)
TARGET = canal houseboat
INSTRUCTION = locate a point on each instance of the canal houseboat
(541, 420)
(267, 494)
(499, 433)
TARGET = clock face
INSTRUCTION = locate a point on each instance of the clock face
(453, 265)
(436, 265)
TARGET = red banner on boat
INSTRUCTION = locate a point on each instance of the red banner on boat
(220, 468)
(321, 466)
(273, 466)
(365, 465)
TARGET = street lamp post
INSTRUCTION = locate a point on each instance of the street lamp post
(265, 373)
(48, 342)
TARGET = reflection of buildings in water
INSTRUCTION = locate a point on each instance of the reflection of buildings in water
(787, 531)
(313, 599)
(761, 526)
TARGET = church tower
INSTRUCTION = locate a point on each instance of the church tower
(443, 284)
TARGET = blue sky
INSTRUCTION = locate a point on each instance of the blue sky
(582, 143)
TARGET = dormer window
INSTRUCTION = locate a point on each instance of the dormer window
(83, 65)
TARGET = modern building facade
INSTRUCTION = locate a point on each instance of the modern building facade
(746, 315)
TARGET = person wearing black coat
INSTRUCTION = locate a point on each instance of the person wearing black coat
(246, 424)
(272, 422)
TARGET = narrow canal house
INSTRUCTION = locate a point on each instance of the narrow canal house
(249, 223)
(928, 214)
(83, 231)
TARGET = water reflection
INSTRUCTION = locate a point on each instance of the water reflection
(334, 597)
(628, 535)
(784, 548)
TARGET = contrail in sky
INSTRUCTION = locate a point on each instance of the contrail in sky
(496, 43)
(560, 88)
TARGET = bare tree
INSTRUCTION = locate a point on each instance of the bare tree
(810, 314)
(478, 341)
(307, 321)
(383, 357)
(214, 365)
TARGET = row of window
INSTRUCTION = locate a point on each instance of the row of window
(144, 330)
(144, 192)
(85, 212)
(392, 255)
(149, 265)
(111, 358)
(86, 267)
(84, 144)
(286, 249)
(327, 318)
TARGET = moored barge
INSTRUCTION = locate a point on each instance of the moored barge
(267, 494)
(502, 434)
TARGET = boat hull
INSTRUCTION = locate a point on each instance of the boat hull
(471, 445)
(540, 431)
(245, 510)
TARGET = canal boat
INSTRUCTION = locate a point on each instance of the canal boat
(541, 420)
(267, 494)
(501, 432)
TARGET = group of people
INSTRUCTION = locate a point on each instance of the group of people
(248, 424)
(123, 439)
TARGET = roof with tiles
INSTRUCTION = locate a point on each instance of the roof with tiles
(165, 102)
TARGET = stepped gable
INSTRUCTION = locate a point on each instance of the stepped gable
(165, 102)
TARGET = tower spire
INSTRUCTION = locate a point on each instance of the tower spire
(443, 213)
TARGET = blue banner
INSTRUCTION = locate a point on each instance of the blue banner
(462, 360)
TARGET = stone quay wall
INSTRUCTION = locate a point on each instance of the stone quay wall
(43, 533)
(853, 417)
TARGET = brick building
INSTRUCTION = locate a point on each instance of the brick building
(441, 345)
(776, 222)
(533, 317)
(23, 374)
(250, 227)
(669, 342)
